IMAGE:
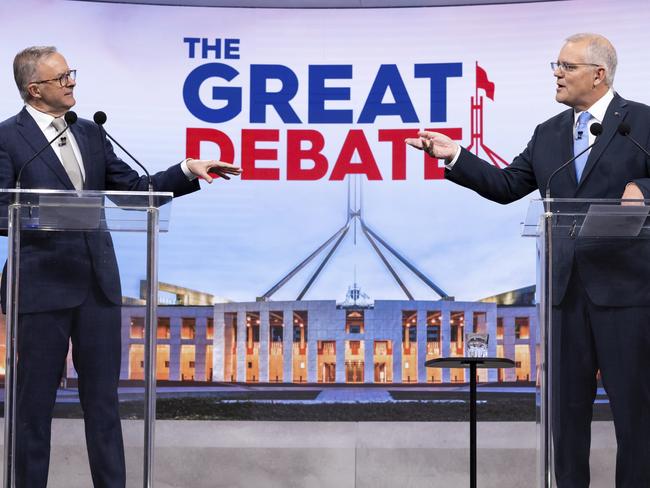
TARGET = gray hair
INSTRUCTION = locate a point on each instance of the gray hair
(25, 64)
(599, 51)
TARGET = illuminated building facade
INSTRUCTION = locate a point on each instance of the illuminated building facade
(322, 342)
(388, 342)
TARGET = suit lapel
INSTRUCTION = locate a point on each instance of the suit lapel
(566, 138)
(35, 138)
(616, 113)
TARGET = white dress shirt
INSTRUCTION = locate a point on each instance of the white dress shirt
(44, 122)
(597, 111)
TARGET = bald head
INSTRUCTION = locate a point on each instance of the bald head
(598, 50)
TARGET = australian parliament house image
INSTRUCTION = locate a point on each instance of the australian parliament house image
(388, 342)
(320, 341)
(355, 341)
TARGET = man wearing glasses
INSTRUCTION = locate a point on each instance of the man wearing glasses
(602, 292)
(70, 286)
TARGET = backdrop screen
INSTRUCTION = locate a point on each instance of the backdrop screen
(312, 102)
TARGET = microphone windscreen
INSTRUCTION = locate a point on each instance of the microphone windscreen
(596, 129)
(99, 118)
(70, 117)
(624, 129)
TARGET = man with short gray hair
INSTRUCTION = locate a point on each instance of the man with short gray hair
(70, 285)
(601, 288)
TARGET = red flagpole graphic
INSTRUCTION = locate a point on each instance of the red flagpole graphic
(476, 122)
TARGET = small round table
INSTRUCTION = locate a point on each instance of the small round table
(473, 364)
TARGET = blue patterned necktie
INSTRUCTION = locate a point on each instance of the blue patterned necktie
(581, 142)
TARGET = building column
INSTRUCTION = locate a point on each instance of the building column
(481, 374)
(219, 344)
(445, 338)
(199, 349)
(175, 325)
(287, 345)
(533, 341)
(312, 356)
(421, 323)
(510, 374)
(368, 361)
(242, 336)
(397, 348)
(127, 313)
(265, 338)
(469, 327)
(491, 318)
(340, 361)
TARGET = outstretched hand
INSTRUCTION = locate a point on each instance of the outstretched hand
(203, 167)
(435, 144)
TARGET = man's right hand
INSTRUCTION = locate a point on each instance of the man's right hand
(436, 145)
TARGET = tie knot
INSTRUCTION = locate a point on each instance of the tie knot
(58, 124)
(583, 119)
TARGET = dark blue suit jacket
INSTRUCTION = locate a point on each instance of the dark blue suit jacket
(615, 271)
(57, 267)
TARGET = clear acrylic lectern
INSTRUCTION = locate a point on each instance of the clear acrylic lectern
(560, 227)
(86, 211)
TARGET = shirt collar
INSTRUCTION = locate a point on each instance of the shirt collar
(42, 119)
(598, 109)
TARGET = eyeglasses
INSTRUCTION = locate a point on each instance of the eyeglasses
(63, 80)
(570, 67)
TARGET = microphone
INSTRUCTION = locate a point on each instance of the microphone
(70, 118)
(625, 129)
(100, 120)
(596, 129)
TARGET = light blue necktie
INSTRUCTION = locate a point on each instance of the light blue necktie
(581, 142)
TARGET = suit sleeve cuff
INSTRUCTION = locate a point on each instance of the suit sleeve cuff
(186, 171)
(451, 163)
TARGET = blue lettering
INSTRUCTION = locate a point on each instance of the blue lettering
(232, 49)
(319, 94)
(438, 74)
(191, 42)
(388, 77)
(206, 47)
(260, 98)
(231, 95)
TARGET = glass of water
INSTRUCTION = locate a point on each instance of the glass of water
(476, 345)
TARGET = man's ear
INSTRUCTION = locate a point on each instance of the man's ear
(599, 76)
(34, 90)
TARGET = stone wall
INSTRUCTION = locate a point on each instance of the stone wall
(202, 454)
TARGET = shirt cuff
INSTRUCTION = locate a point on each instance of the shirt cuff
(451, 163)
(186, 171)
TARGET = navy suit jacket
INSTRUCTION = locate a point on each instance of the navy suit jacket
(56, 268)
(614, 271)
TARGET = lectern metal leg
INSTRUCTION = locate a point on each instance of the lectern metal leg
(472, 425)
(546, 468)
(151, 323)
(13, 266)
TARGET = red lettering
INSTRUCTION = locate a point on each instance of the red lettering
(194, 136)
(296, 155)
(355, 141)
(250, 154)
(396, 138)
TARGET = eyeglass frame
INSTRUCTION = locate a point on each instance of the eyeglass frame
(573, 66)
(71, 74)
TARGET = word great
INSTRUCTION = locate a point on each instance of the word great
(226, 96)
